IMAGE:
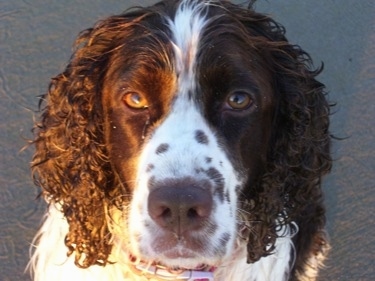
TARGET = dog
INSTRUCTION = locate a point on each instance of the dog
(183, 141)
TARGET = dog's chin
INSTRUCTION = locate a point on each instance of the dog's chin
(180, 258)
(179, 253)
(185, 264)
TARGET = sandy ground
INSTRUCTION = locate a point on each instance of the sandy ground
(35, 43)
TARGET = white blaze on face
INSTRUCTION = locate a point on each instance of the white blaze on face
(187, 26)
(184, 145)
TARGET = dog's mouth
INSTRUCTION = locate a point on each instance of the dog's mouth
(158, 271)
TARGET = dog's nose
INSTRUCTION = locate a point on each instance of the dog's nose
(180, 208)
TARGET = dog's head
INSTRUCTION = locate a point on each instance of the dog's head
(180, 132)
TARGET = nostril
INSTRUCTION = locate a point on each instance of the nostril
(193, 214)
(166, 213)
(161, 211)
(199, 212)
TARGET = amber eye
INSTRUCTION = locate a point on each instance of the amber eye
(135, 100)
(239, 100)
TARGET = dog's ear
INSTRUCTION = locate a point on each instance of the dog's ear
(71, 163)
(299, 149)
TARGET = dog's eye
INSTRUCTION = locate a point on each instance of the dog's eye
(239, 100)
(135, 100)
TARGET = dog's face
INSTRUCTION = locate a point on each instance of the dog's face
(190, 134)
(188, 111)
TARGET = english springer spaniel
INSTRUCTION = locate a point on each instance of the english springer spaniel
(183, 141)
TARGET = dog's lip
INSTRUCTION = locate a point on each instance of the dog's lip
(169, 245)
(175, 269)
(179, 254)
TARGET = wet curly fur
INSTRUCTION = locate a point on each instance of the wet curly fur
(72, 165)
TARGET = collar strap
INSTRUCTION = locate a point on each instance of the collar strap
(163, 273)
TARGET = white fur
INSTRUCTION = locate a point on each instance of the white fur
(49, 261)
(274, 267)
(186, 28)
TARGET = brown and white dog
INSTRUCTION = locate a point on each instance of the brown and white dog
(184, 141)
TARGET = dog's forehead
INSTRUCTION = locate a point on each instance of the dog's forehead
(186, 28)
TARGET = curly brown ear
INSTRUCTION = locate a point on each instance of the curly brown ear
(70, 162)
(299, 150)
